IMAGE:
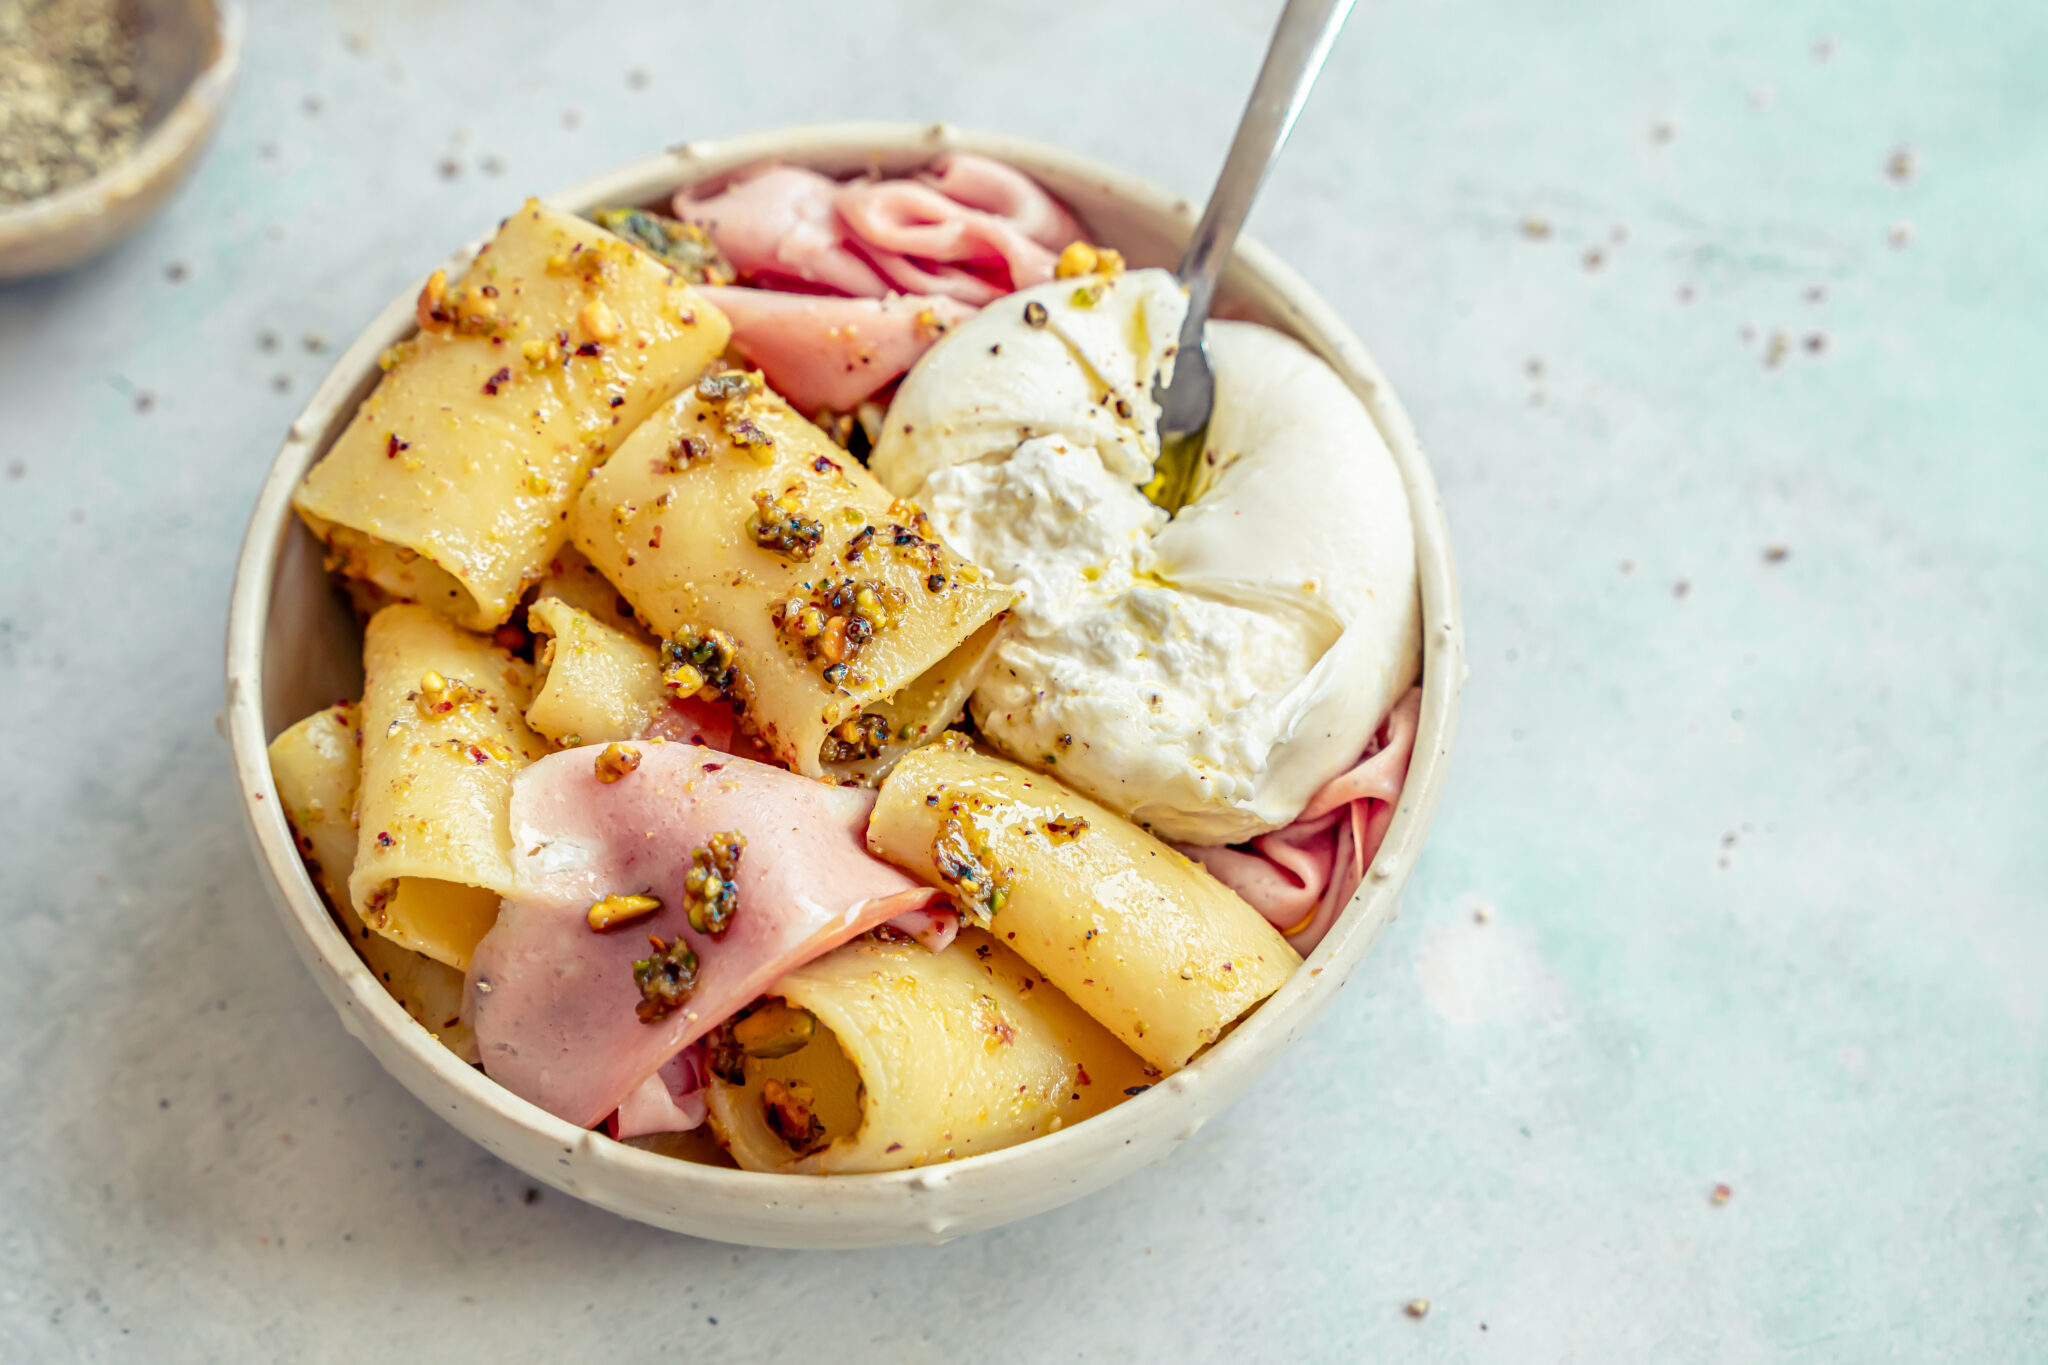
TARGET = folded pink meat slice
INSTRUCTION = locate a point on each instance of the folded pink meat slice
(669, 1101)
(983, 183)
(935, 926)
(779, 221)
(931, 280)
(825, 352)
(1301, 876)
(553, 1002)
(907, 219)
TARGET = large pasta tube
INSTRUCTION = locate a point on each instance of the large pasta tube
(916, 1057)
(574, 579)
(853, 632)
(316, 764)
(1161, 953)
(598, 685)
(442, 737)
(450, 484)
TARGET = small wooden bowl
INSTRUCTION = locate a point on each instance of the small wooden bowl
(293, 647)
(192, 50)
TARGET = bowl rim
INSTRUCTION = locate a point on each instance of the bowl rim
(1227, 1067)
(189, 120)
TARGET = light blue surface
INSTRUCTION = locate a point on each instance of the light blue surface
(1763, 862)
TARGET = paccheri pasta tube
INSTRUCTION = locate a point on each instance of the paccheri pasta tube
(442, 737)
(597, 684)
(880, 1056)
(1161, 953)
(450, 485)
(316, 764)
(575, 580)
(785, 576)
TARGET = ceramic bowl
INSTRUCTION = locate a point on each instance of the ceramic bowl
(293, 647)
(191, 51)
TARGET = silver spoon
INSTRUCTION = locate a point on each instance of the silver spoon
(1300, 44)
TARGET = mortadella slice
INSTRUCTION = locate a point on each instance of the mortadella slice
(984, 183)
(1302, 875)
(906, 218)
(669, 1101)
(779, 222)
(824, 352)
(554, 1002)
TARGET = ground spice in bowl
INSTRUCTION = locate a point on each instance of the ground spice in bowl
(70, 102)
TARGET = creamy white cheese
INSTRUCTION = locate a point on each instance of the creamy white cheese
(1203, 674)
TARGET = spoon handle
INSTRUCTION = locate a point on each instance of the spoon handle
(1300, 44)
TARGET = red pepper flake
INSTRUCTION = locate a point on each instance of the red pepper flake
(1136, 1089)
(589, 348)
(714, 768)
(1722, 1194)
(893, 1147)
(384, 839)
(504, 375)
(478, 755)
(654, 541)
(824, 466)
(618, 400)
(393, 446)
(1084, 1078)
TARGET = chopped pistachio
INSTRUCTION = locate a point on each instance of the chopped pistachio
(615, 762)
(615, 910)
(779, 524)
(788, 1109)
(684, 246)
(665, 978)
(777, 1029)
(1083, 258)
(698, 661)
(710, 893)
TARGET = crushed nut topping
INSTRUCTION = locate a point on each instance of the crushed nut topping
(685, 247)
(788, 1109)
(437, 696)
(724, 1057)
(779, 524)
(775, 1029)
(711, 896)
(665, 978)
(615, 762)
(961, 855)
(725, 386)
(598, 321)
(698, 662)
(862, 737)
(1083, 258)
(615, 910)
(465, 309)
(841, 616)
(685, 453)
(71, 101)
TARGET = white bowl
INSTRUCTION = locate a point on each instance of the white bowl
(191, 51)
(293, 647)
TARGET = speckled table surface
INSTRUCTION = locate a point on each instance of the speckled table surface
(1720, 322)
